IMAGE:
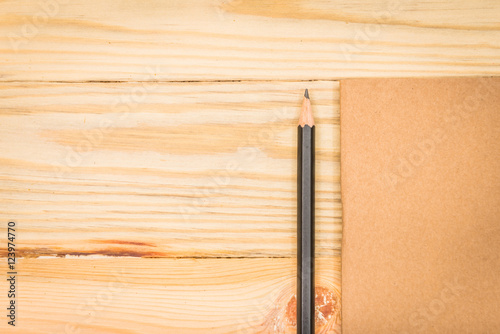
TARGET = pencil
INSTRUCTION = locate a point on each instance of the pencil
(305, 220)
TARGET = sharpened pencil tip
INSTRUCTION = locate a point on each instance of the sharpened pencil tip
(306, 117)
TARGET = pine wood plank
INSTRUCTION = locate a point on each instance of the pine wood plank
(164, 170)
(61, 40)
(134, 295)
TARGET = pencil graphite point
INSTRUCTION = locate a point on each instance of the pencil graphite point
(306, 117)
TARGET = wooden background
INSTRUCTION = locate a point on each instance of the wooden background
(148, 150)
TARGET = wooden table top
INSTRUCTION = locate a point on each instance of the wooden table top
(148, 150)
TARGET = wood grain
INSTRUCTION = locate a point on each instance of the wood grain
(77, 41)
(133, 295)
(164, 170)
(162, 133)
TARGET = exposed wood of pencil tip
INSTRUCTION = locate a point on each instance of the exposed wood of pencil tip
(306, 117)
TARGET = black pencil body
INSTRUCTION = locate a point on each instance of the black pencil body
(305, 231)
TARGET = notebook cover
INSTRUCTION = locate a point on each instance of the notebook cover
(420, 177)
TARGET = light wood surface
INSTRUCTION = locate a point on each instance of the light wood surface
(180, 40)
(156, 141)
(191, 170)
(133, 295)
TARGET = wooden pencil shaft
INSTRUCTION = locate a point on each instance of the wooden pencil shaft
(305, 231)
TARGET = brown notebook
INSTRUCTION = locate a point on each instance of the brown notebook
(420, 176)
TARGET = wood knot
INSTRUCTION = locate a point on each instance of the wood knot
(327, 305)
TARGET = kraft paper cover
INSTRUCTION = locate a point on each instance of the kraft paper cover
(420, 177)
